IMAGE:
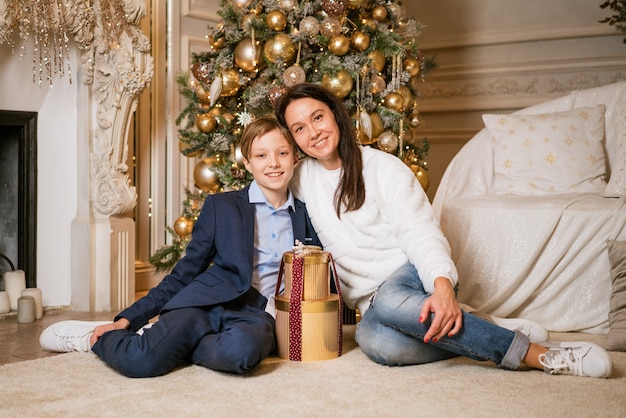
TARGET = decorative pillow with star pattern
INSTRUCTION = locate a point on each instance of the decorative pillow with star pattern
(560, 152)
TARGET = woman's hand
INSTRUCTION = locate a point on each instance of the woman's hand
(121, 323)
(447, 315)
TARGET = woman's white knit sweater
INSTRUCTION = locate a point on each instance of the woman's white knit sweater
(395, 225)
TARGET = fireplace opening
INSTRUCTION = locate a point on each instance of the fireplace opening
(18, 193)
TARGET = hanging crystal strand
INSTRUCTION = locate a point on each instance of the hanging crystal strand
(401, 140)
(253, 39)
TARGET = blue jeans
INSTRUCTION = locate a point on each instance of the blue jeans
(232, 337)
(390, 332)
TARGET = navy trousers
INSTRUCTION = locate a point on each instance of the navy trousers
(232, 337)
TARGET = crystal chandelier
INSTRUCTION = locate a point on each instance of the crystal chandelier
(50, 23)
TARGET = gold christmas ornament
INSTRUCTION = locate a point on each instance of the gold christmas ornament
(276, 20)
(206, 123)
(241, 3)
(184, 149)
(309, 26)
(412, 66)
(280, 47)
(248, 20)
(217, 43)
(407, 97)
(339, 45)
(363, 139)
(379, 13)
(248, 54)
(356, 4)
(330, 27)
(294, 75)
(393, 101)
(205, 176)
(202, 94)
(200, 71)
(421, 175)
(377, 124)
(183, 226)
(360, 41)
(288, 5)
(274, 93)
(378, 60)
(340, 84)
(388, 141)
(334, 7)
(377, 84)
(370, 23)
(230, 82)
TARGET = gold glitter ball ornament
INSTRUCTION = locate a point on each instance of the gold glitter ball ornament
(309, 26)
(340, 84)
(280, 47)
(334, 7)
(388, 141)
(274, 94)
(294, 75)
(230, 82)
(330, 27)
(377, 84)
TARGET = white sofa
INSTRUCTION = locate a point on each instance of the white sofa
(541, 257)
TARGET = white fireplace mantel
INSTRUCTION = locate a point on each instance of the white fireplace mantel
(98, 243)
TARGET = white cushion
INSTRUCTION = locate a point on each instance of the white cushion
(560, 152)
(617, 182)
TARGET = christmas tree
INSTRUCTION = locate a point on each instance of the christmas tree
(362, 50)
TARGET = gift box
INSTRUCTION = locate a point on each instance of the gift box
(308, 317)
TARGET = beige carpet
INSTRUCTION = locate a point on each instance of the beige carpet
(79, 384)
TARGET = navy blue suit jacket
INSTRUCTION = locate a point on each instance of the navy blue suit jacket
(223, 235)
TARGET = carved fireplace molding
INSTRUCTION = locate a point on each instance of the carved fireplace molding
(117, 66)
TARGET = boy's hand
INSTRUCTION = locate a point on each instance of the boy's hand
(98, 331)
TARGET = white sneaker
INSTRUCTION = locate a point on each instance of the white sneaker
(576, 358)
(535, 332)
(66, 336)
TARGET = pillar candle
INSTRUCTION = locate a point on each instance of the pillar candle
(25, 309)
(14, 283)
(36, 294)
(5, 305)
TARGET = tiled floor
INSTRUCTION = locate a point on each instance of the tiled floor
(19, 342)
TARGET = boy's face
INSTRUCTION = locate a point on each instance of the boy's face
(271, 162)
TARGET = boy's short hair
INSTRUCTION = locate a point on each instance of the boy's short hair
(259, 127)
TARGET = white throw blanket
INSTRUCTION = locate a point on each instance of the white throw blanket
(539, 257)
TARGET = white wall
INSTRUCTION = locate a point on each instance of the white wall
(503, 55)
(57, 167)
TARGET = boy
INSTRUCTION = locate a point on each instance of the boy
(212, 315)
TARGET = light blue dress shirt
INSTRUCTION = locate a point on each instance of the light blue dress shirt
(273, 236)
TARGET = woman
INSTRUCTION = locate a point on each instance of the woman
(393, 261)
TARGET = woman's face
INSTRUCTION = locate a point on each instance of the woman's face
(315, 130)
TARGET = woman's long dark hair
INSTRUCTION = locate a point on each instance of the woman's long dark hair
(350, 193)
